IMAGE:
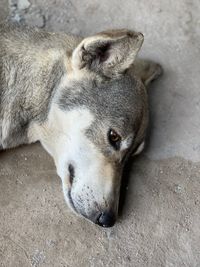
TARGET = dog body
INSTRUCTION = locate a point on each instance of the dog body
(84, 99)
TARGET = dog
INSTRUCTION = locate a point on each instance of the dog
(84, 100)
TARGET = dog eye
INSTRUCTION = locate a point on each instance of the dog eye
(114, 139)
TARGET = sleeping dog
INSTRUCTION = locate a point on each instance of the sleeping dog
(85, 100)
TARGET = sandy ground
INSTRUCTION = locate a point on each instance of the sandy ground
(160, 222)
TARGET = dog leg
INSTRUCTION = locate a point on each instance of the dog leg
(148, 71)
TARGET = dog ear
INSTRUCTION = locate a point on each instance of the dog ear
(109, 53)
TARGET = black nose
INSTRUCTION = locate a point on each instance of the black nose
(106, 219)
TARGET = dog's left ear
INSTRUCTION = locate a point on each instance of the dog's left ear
(108, 53)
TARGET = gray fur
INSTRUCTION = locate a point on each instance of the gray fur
(121, 101)
(26, 90)
(33, 66)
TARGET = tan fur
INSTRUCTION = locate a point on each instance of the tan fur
(68, 93)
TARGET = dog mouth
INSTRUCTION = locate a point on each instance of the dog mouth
(71, 173)
(73, 207)
(71, 202)
(71, 179)
(102, 218)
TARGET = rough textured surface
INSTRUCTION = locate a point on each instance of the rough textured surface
(3, 9)
(159, 225)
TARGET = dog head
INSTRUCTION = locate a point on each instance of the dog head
(97, 119)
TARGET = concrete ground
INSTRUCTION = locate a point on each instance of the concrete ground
(160, 222)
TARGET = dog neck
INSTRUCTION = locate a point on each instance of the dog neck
(29, 103)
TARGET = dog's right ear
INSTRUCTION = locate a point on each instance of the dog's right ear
(108, 53)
